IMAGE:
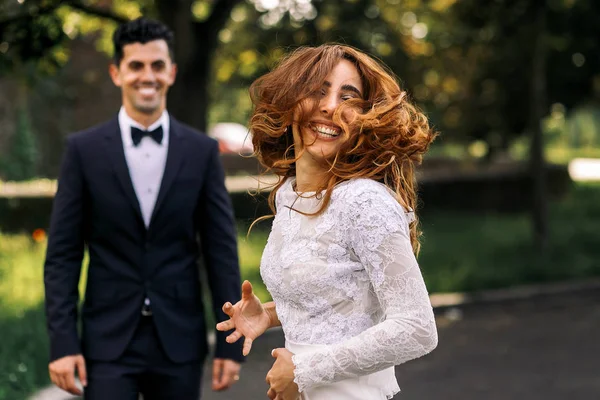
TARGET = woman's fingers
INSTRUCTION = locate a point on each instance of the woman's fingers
(228, 309)
(225, 325)
(246, 290)
(247, 346)
(234, 337)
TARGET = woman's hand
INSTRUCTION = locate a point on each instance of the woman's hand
(248, 316)
(281, 377)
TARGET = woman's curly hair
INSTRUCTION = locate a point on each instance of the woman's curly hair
(386, 137)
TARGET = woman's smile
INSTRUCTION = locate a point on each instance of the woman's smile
(324, 131)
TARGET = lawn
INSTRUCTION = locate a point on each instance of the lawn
(472, 252)
(460, 252)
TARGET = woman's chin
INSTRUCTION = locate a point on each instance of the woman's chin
(321, 153)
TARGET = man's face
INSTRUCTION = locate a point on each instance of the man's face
(144, 75)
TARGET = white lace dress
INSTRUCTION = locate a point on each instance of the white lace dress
(348, 290)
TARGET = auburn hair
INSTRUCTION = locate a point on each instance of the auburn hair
(385, 139)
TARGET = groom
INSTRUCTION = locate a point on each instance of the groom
(138, 191)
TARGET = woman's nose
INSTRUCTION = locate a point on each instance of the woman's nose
(328, 105)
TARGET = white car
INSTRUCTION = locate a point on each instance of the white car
(232, 138)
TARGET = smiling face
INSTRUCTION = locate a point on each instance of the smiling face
(144, 75)
(322, 138)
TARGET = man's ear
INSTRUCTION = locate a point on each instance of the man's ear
(173, 73)
(113, 71)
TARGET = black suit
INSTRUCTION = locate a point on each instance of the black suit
(96, 205)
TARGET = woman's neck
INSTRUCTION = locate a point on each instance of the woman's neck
(309, 176)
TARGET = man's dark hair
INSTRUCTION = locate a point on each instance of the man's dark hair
(141, 30)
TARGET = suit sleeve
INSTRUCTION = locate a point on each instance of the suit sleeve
(64, 257)
(219, 246)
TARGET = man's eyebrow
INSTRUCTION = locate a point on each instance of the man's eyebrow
(151, 63)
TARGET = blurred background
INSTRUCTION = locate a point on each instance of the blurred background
(510, 191)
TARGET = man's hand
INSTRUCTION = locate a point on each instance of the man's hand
(281, 377)
(225, 373)
(248, 316)
(62, 373)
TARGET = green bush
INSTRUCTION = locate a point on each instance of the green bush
(23, 354)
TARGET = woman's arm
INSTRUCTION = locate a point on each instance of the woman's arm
(379, 237)
(272, 311)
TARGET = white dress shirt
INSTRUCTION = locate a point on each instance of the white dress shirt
(146, 161)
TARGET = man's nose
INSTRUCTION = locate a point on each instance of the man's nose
(148, 74)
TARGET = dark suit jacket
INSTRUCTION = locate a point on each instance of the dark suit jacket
(96, 206)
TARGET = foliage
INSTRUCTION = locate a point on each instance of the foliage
(21, 161)
(467, 62)
(23, 354)
(31, 43)
(467, 252)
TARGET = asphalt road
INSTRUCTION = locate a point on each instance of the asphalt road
(547, 348)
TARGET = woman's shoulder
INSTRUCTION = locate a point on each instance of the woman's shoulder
(363, 189)
(368, 194)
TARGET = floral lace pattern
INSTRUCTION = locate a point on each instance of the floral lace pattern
(347, 279)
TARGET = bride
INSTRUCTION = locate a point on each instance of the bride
(340, 263)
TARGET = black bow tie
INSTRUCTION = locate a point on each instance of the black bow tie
(137, 135)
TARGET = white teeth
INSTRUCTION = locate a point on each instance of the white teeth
(325, 130)
(147, 91)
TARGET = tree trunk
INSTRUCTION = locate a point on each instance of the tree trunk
(188, 98)
(195, 43)
(538, 110)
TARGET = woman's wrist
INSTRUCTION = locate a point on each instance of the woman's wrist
(272, 313)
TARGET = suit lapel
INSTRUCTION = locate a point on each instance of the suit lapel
(116, 153)
(175, 160)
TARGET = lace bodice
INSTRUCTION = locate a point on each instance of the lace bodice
(347, 279)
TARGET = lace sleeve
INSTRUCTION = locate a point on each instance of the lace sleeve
(378, 231)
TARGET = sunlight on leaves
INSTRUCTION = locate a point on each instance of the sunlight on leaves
(441, 5)
(201, 10)
(225, 70)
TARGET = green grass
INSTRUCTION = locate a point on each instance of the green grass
(250, 249)
(23, 353)
(460, 252)
(469, 252)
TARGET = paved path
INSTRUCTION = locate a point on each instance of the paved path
(547, 348)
